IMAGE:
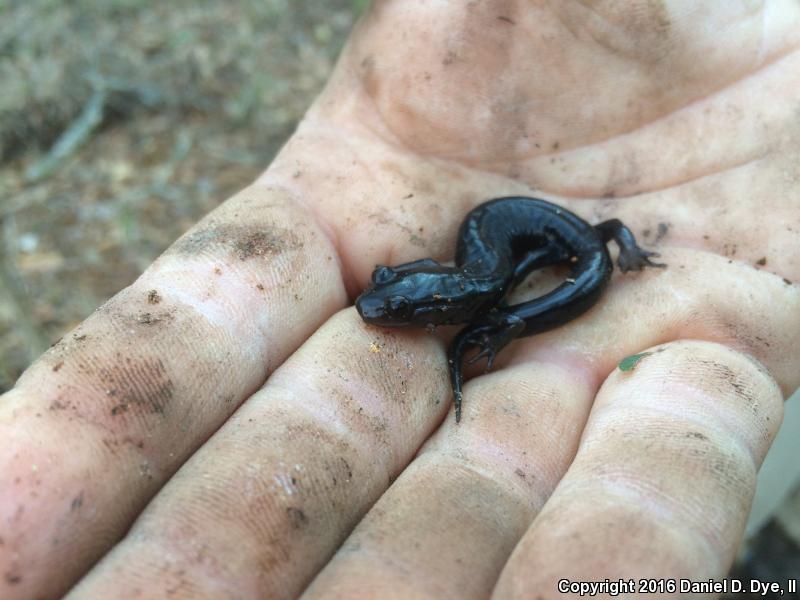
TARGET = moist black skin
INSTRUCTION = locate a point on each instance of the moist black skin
(499, 243)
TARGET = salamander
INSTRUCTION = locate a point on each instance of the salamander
(498, 244)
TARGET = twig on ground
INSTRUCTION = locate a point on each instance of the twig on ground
(73, 138)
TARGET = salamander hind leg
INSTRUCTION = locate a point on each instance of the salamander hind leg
(490, 336)
(631, 256)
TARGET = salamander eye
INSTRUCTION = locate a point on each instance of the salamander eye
(382, 275)
(398, 307)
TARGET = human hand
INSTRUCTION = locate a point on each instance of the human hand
(679, 120)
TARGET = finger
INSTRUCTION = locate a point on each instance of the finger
(447, 525)
(736, 307)
(663, 479)
(97, 425)
(265, 502)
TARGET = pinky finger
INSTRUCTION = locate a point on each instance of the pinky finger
(661, 486)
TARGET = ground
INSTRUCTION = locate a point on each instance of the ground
(121, 123)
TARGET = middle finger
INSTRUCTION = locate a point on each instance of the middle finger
(449, 523)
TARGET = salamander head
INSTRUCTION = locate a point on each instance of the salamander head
(428, 296)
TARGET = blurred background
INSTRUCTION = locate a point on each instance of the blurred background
(124, 121)
(121, 123)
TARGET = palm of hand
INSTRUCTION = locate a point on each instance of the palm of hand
(679, 123)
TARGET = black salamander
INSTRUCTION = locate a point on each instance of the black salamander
(499, 243)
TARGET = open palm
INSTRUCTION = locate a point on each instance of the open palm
(345, 470)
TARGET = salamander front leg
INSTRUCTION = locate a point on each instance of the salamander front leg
(631, 256)
(491, 336)
(382, 274)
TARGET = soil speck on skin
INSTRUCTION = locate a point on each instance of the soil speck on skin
(347, 468)
(77, 502)
(762, 261)
(725, 373)
(260, 287)
(147, 318)
(217, 271)
(153, 297)
(140, 385)
(258, 244)
(79, 338)
(696, 435)
(663, 228)
(245, 241)
(506, 19)
(786, 281)
(13, 578)
(57, 366)
(297, 518)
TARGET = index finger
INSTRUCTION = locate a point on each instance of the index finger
(95, 427)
